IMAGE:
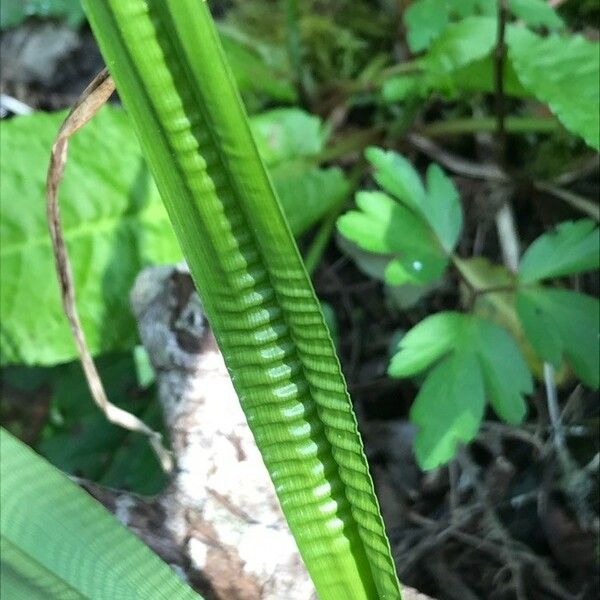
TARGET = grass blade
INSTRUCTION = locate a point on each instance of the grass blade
(59, 543)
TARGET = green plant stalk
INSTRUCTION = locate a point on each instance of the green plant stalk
(170, 71)
(478, 124)
(293, 41)
(319, 243)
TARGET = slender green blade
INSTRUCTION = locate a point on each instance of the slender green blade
(59, 543)
(171, 73)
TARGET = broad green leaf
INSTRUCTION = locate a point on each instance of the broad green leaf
(468, 8)
(288, 133)
(401, 87)
(114, 224)
(563, 72)
(14, 12)
(177, 86)
(416, 234)
(59, 543)
(450, 402)
(536, 13)
(386, 227)
(289, 141)
(438, 205)
(561, 322)
(308, 192)
(424, 21)
(79, 440)
(460, 44)
(478, 76)
(573, 247)
(448, 409)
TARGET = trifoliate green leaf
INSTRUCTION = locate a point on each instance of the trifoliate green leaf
(407, 270)
(438, 205)
(448, 409)
(374, 227)
(450, 403)
(536, 13)
(497, 306)
(399, 297)
(573, 247)
(369, 263)
(563, 72)
(415, 234)
(561, 322)
(387, 227)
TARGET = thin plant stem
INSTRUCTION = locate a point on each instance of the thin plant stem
(353, 142)
(508, 237)
(91, 100)
(512, 124)
(325, 231)
(499, 59)
(294, 41)
(580, 203)
(554, 414)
